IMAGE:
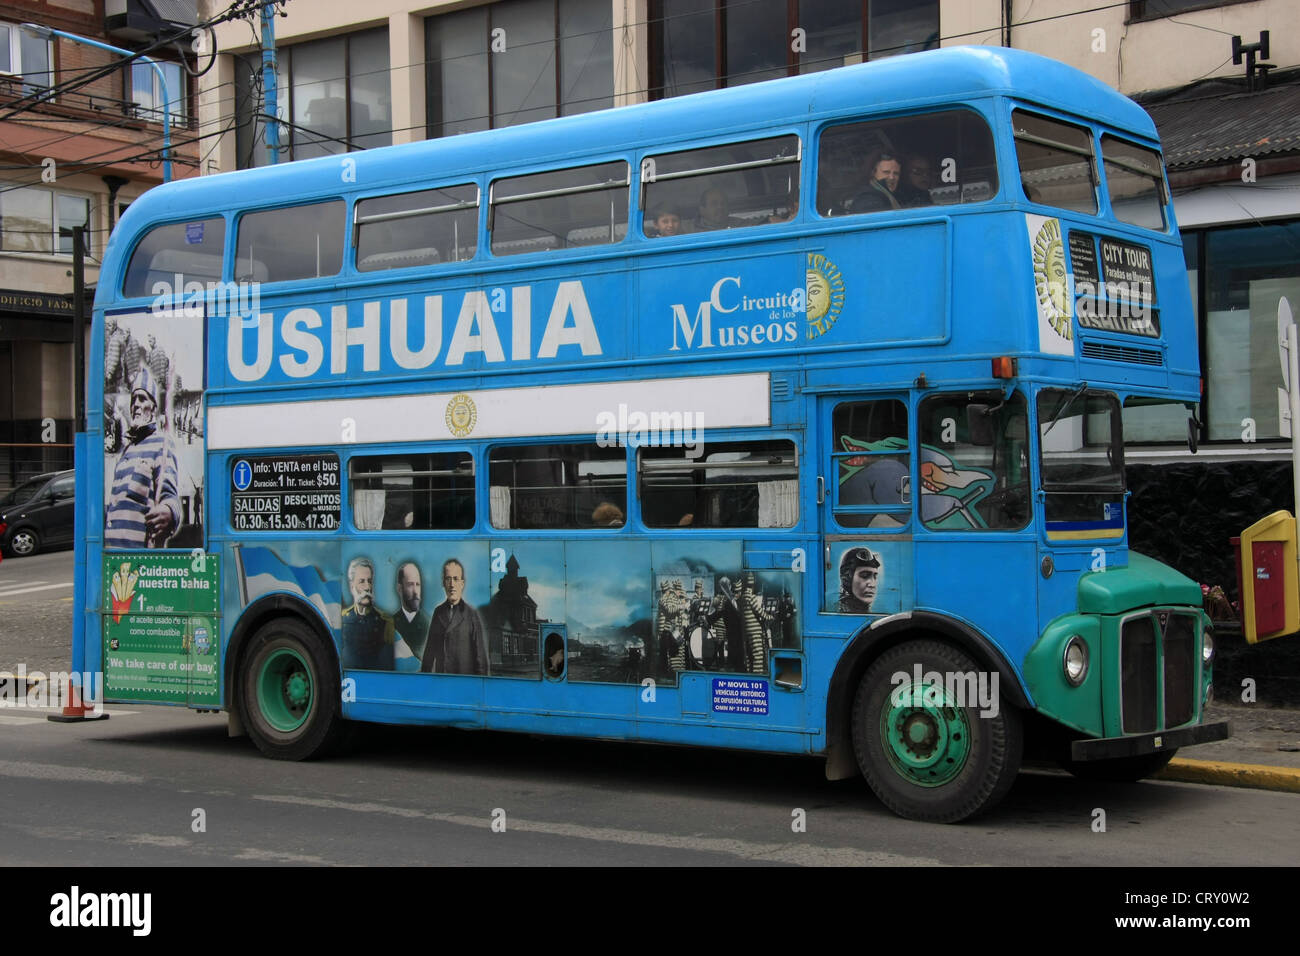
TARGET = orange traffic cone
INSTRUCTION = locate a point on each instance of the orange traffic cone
(75, 709)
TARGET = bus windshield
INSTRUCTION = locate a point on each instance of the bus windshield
(1082, 447)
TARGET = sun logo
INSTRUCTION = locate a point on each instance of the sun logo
(1050, 277)
(461, 415)
(823, 294)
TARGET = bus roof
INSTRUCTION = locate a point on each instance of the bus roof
(897, 83)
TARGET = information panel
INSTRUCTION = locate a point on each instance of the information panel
(285, 493)
(161, 628)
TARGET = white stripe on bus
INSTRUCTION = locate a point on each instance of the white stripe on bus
(723, 401)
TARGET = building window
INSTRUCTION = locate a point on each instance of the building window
(41, 220)
(1247, 270)
(147, 90)
(703, 44)
(333, 96)
(25, 54)
(1154, 9)
(517, 62)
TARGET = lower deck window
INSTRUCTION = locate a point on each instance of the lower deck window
(413, 492)
(731, 485)
(557, 486)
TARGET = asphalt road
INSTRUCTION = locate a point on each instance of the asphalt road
(128, 791)
(36, 611)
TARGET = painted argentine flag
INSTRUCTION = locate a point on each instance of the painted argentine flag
(404, 658)
(262, 572)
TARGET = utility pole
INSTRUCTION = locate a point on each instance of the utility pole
(79, 326)
(271, 107)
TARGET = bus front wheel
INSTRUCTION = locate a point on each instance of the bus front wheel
(930, 743)
(289, 692)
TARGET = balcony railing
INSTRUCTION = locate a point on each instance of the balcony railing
(104, 109)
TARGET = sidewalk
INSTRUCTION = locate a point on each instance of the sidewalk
(1263, 751)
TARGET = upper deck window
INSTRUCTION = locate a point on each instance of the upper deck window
(935, 159)
(558, 209)
(417, 229)
(721, 187)
(298, 242)
(1135, 182)
(192, 250)
(1056, 162)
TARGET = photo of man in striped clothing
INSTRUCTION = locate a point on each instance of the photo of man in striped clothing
(143, 507)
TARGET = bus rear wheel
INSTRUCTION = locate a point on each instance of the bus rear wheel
(289, 692)
(926, 754)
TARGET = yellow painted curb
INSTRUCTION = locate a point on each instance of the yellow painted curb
(1232, 774)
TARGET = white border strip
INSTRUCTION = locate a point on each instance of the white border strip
(713, 401)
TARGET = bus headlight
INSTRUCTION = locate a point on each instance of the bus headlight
(1207, 647)
(1075, 660)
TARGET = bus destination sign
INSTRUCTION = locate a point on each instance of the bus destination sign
(285, 493)
(1114, 291)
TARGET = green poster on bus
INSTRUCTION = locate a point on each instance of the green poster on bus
(160, 628)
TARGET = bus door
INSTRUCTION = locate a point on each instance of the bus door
(975, 552)
(865, 491)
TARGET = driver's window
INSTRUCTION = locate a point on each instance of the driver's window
(974, 462)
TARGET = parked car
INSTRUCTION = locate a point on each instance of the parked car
(38, 514)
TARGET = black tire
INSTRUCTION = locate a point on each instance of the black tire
(1120, 769)
(283, 657)
(984, 766)
(24, 542)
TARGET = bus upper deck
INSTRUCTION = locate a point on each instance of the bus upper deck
(415, 261)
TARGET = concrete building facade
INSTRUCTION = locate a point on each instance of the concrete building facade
(80, 138)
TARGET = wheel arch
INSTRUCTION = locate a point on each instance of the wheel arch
(253, 618)
(877, 638)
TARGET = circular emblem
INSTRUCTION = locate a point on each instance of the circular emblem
(1050, 277)
(823, 294)
(461, 415)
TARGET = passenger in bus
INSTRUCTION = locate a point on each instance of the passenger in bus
(882, 188)
(367, 631)
(789, 212)
(714, 212)
(859, 579)
(455, 643)
(607, 514)
(665, 222)
(914, 190)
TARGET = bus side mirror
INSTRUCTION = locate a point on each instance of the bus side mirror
(979, 425)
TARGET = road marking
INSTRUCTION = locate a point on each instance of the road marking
(50, 771)
(16, 721)
(800, 855)
(28, 590)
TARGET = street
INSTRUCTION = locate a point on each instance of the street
(161, 786)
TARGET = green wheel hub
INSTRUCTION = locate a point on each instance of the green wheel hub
(284, 690)
(926, 735)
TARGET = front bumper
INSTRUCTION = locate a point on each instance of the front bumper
(1135, 745)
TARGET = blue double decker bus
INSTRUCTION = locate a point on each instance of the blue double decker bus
(783, 418)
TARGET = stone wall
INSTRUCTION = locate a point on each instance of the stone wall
(1184, 515)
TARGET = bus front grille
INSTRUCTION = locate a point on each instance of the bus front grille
(1157, 651)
